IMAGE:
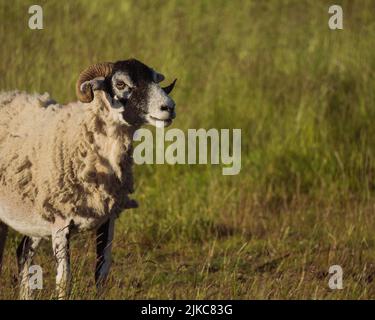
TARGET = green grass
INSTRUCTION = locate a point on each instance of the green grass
(304, 98)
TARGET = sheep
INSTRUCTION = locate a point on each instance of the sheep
(68, 168)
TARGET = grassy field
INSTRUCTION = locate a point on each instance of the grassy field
(304, 97)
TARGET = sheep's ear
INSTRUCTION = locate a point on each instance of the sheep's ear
(102, 95)
(93, 85)
(158, 77)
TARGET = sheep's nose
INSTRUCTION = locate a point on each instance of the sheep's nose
(169, 108)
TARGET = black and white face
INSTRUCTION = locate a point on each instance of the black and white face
(135, 86)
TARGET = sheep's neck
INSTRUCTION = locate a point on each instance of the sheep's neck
(108, 146)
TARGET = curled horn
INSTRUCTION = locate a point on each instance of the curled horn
(86, 94)
(169, 88)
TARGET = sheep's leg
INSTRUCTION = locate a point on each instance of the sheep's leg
(104, 238)
(60, 245)
(3, 238)
(25, 253)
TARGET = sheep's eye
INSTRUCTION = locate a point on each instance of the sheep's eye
(120, 85)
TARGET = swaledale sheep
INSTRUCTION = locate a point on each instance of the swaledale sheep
(67, 168)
